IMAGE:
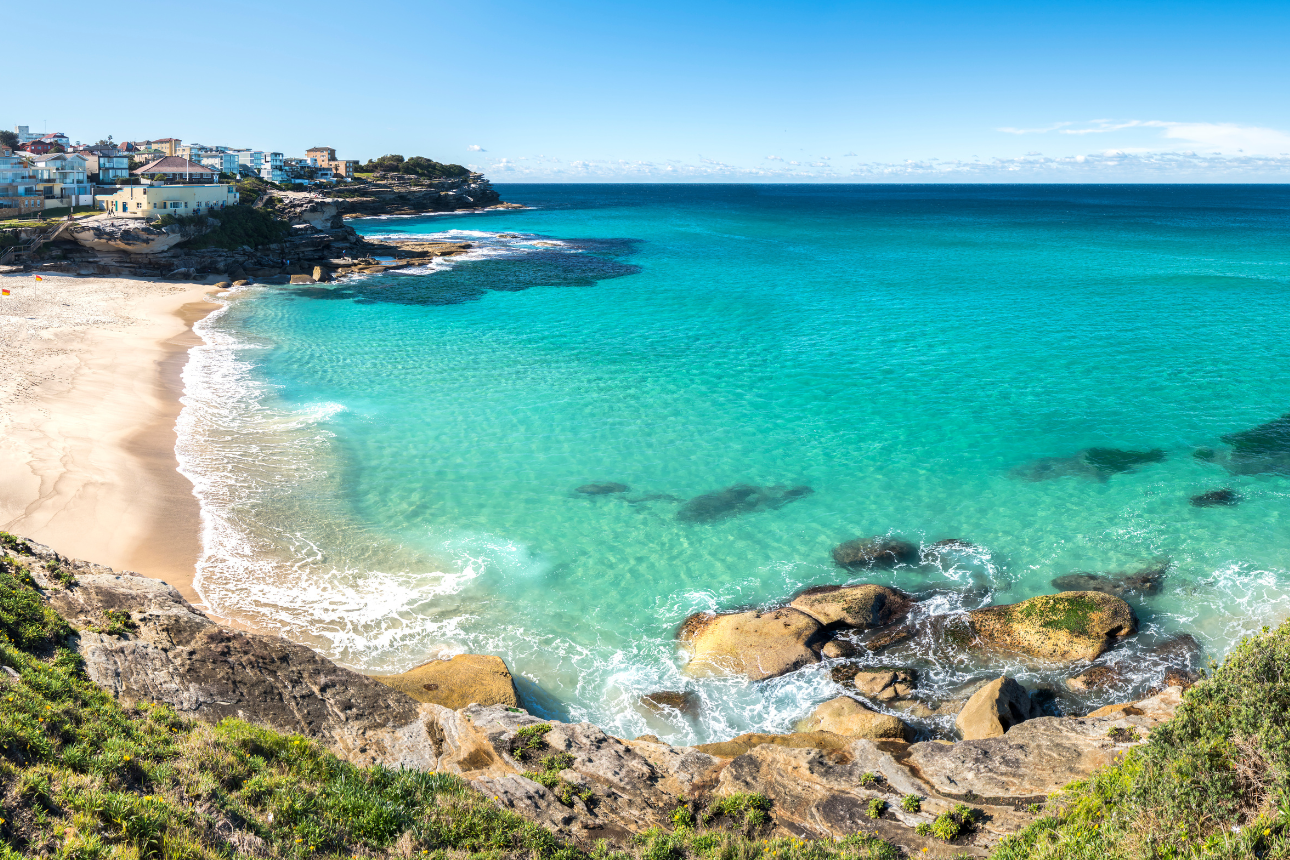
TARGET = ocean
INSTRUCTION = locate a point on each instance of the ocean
(388, 466)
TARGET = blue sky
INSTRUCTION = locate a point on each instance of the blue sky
(697, 91)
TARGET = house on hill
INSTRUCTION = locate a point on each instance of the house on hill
(325, 157)
(173, 168)
(63, 177)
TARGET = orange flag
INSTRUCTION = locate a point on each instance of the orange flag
(39, 278)
(4, 292)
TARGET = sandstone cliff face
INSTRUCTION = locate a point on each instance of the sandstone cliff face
(127, 235)
(819, 783)
(442, 195)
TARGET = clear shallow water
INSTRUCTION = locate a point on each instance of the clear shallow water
(387, 466)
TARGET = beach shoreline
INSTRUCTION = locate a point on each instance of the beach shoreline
(87, 415)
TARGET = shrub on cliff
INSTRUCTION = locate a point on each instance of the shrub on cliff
(83, 777)
(238, 226)
(416, 166)
(1213, 782)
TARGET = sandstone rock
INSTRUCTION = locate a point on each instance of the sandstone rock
(1036, 757)
(603, 489)
(847, 717)
(876, 551)
(1095, 678)
(176, 655)
(1073, 625)
(301, 279)
(686, 702)
(462, 680)
(759, 645)
(241, 283)
(838, 648)
(815, 740)
(238, 274)
(861, 606)
(885, 685)
(994, 709)
(321, 275)
(223, 285)
(128, 235)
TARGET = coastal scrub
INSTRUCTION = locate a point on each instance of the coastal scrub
(83, 776)
(1213, 782)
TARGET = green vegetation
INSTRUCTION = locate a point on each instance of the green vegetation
(83, 777)
(529, 739)
(911, 803)
(685, 843)
(1057, 612)
(548, 775)
(1213, 782)
(9, 139)
(868, 780)
(238, 226)
(877, 806)
(415, 166)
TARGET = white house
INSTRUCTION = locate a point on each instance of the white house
(63, 179)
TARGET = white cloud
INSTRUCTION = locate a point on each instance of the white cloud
(849, 155)
(474, 147)
(1215, 136)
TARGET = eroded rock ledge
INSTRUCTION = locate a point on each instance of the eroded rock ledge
(143, 642)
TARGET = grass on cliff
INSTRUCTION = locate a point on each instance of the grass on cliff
(1213, 782)
(82, 777)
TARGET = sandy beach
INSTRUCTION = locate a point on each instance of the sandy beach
(88, 402)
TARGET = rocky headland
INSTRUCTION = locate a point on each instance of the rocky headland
(142, 642)
(310, 241)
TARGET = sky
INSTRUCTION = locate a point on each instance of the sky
(687, 91)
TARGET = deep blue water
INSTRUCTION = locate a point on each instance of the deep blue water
(388, 464)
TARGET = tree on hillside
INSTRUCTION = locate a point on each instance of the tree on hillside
(9, 139)
(417, 165)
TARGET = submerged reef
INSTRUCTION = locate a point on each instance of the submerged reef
(1094, 464)
(1265, 448)
(1147, 580)
(738, 499)
(1224, 498)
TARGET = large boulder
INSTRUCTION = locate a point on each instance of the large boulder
(878, 551)
(885, 685)
(1065, 627)
(465, 679)
(129, 235)
(847, 717)
(992, 710)
(759, 645)
(862, 606)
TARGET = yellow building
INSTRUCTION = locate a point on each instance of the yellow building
(153, 201)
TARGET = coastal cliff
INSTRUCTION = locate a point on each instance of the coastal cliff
(140, 641)
(290, 233)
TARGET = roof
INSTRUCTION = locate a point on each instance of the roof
(173, 164)
(166, 140)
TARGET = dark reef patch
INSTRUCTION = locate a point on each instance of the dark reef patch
(578, 263)
(1265, 448)
(603, 489)
(1094, 464)
(1224, 498)
(875, 552)
(1146, 581)
(738, 499)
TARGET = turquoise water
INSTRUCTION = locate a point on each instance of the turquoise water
(388, 465)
